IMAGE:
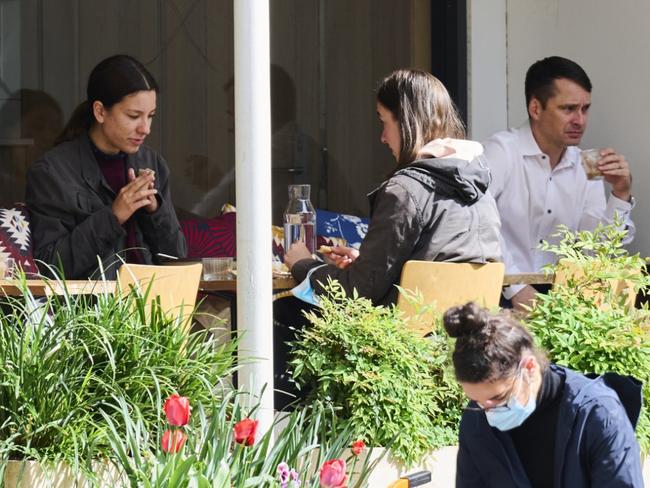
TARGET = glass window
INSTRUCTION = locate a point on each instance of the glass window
(327, 57)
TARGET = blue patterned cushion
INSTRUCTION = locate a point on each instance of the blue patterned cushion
(349, 227)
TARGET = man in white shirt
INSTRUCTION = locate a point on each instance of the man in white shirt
(538, 180)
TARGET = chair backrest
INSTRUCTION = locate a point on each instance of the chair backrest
(443, 285)
(568, 271)
(176, 286)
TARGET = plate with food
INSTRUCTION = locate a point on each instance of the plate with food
(280, 270)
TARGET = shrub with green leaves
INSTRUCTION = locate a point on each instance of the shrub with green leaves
(395, 388)
(66, 358)
(591, 334)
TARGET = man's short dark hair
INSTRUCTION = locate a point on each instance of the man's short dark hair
(542, 74)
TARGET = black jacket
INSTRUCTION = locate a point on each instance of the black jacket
(71, 217)
(595, 444)
(432, 210)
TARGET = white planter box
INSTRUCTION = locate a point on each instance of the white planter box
(441, 463)
(29, 474)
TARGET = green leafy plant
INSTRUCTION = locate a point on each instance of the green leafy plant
(391, 385)
(65, 358)
(601, 259)
(584, 324)
(215, 457)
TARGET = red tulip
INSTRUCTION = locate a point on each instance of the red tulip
(173, 441)
(358, 447)
(245, 431)
(332, 474)
(177, 409)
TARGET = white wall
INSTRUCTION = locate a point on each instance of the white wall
(488, 97)
(610, 41)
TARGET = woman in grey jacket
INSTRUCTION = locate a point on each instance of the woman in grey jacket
(100, 195)
(431, 208)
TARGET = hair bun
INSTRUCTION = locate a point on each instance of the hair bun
(465, 319)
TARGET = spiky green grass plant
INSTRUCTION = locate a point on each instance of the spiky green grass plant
(64, 359)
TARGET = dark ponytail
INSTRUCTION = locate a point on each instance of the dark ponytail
(109, 82)
(489, 347)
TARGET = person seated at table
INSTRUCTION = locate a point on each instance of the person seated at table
(531, 423)
(538, 180)
(101, 194)
(433, 208)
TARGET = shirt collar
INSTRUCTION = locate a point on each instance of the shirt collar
(527, 142)
(529, 147)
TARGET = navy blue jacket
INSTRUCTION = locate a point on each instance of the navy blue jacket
(595, 444)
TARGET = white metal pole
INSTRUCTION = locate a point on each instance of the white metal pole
(253, 185)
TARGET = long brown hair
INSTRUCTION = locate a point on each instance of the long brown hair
(423, 108)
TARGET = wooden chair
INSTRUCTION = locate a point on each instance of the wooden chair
(175, 286)
(444, 285)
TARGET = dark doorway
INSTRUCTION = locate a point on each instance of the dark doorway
(449, 48)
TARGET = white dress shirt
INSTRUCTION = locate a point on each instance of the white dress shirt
(533, 199)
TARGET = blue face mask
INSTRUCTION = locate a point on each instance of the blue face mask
(512, 414)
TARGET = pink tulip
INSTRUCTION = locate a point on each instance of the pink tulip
(332, 474)
(173, 441)
(177, 409)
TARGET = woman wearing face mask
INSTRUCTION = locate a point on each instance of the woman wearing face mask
(101, 195)
(433, 208)
(531, 424)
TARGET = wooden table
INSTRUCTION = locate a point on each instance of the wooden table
(231, 285)
(528, 279)
(80, 287)
(280, 284)
(86, 287)
(53, 287)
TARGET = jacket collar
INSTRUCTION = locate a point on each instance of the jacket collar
(466, 181)
(92, 173)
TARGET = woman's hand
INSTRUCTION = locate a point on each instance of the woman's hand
(138, 193)
(296, 252)
(341, 256)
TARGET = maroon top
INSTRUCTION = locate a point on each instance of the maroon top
(113, 167)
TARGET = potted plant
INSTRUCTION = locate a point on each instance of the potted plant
(64, 361)
(220, 447)
(394, 387)
(587, 324)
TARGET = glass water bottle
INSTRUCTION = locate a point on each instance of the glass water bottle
(300, 218)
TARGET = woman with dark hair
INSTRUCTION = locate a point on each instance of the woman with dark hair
(101, 195)
(530, 423)
(430, 208)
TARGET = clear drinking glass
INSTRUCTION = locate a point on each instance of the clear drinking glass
(590, 158)
(217, 268)
(7, 268)
(300, 218)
